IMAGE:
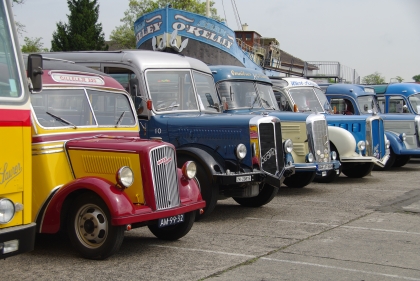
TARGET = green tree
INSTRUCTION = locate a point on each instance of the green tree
(374, 78)
(123, 36)
(33, 45)
(82, 33)
(399, 79)
(416, 78)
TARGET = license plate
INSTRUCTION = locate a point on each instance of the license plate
(171, 220)
(243, 178)
(324, 173)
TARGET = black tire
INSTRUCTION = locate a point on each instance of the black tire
(401, 160)
(89, 217)
(267, 193)
(299, 180)
(358, 171)
(390, 163)
(174, 232)
(209, 190)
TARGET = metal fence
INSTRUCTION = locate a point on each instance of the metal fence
(331, 69)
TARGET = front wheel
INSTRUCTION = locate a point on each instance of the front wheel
(90, 228)
(299, 180)
(401, 160)
(358, 171)
(267, 193)
(174, 232)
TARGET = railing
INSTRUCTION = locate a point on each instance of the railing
(331, 69)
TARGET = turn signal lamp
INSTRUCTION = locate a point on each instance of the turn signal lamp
(149, 104)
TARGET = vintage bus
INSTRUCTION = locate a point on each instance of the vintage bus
(17, 229)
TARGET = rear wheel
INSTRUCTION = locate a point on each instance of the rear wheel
(358, 171)
(401, 160)
(90, 228)
(299, 180)
(174, 232)
(267, 193)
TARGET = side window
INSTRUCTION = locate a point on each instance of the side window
(397, 105)
(282, 101)
(206, 92)
(342, 106)
(381, 102)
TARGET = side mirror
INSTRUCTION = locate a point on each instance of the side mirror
(35, 72)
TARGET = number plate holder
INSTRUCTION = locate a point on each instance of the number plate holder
(243, 178)
(171, 220)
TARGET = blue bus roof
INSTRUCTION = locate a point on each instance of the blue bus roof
(405, 89)
(352, 90)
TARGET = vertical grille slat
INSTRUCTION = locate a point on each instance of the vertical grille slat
(162, 161)
(376, 138)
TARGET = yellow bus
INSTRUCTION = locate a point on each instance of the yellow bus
(17, 229)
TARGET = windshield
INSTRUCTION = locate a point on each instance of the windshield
(415, 102)
(73, 107)
(173, 91)
(368, 104)
(243, 94)
(10, 83)
(306, 99)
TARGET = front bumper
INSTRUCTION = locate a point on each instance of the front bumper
(318, 167)
(25, 234)
(366, 159)
(144, 213)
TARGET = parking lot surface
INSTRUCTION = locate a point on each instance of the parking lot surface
(352, 229)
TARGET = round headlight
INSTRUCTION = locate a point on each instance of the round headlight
(125, 177)
(387, 144)
(7, 210)
(288, 145)
(309, 158)
(403, 137)
(333, 155)
(240, 151)
(361, 145)
(189, 169)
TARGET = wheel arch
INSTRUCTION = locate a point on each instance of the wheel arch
(56, 208)
(394, 142)
(343, 140)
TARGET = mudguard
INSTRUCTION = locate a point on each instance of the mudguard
(343, 140)
(117, 201)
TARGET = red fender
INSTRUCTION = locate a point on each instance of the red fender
(117, 201)
(189, 190)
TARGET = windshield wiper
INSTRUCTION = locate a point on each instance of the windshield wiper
(119, 119)
(253, 103)
(61, 120)
(267, 103)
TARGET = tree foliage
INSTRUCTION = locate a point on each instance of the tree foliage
(374, 78)
(82, 33)
(123, 36)
(416, 78)
(33, 45)
(399, 79)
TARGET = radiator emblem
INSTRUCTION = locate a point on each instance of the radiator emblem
(268, 155)
(165, 160)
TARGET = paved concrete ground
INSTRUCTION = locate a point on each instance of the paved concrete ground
(352, 229)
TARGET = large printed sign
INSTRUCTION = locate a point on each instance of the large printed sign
(185, 24)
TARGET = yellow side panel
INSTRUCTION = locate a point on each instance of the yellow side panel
(50, 169)
(296, 131)
(105, 165)
(15, 170)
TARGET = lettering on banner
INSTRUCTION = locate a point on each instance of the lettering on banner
(7, 174)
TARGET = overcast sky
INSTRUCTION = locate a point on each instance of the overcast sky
(366, 35)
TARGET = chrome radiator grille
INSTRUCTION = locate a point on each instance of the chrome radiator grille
(165, 181)
(375, 135)
(271, 147)
(321, 142)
